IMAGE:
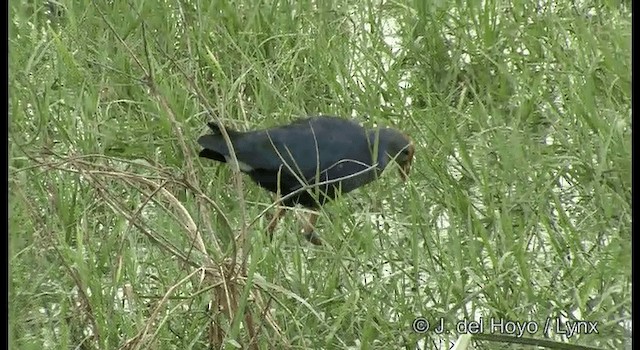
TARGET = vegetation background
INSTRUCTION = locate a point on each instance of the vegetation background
(518, 206)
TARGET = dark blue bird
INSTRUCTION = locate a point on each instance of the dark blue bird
(311, 161)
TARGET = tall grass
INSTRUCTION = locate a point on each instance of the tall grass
(518, 206)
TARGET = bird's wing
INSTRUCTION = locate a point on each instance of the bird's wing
(307, 149)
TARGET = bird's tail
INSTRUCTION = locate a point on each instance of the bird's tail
(215, 127)
(214, 144)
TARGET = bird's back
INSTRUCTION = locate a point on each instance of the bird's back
(315, 150)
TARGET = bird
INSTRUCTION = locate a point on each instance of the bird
(311, 161)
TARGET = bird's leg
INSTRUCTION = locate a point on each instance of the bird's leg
(309, 230)
(280, 211)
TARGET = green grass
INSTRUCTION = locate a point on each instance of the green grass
(518, 205)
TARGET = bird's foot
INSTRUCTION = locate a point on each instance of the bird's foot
(313, 237)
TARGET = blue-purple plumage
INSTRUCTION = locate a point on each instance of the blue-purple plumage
(330, 153)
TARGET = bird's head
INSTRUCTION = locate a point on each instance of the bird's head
(393, 145)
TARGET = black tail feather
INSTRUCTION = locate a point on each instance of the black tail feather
(215, 127)
(214, 145)
(210, 154)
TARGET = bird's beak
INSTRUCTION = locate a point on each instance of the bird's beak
(406, 166)
(404, 170)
